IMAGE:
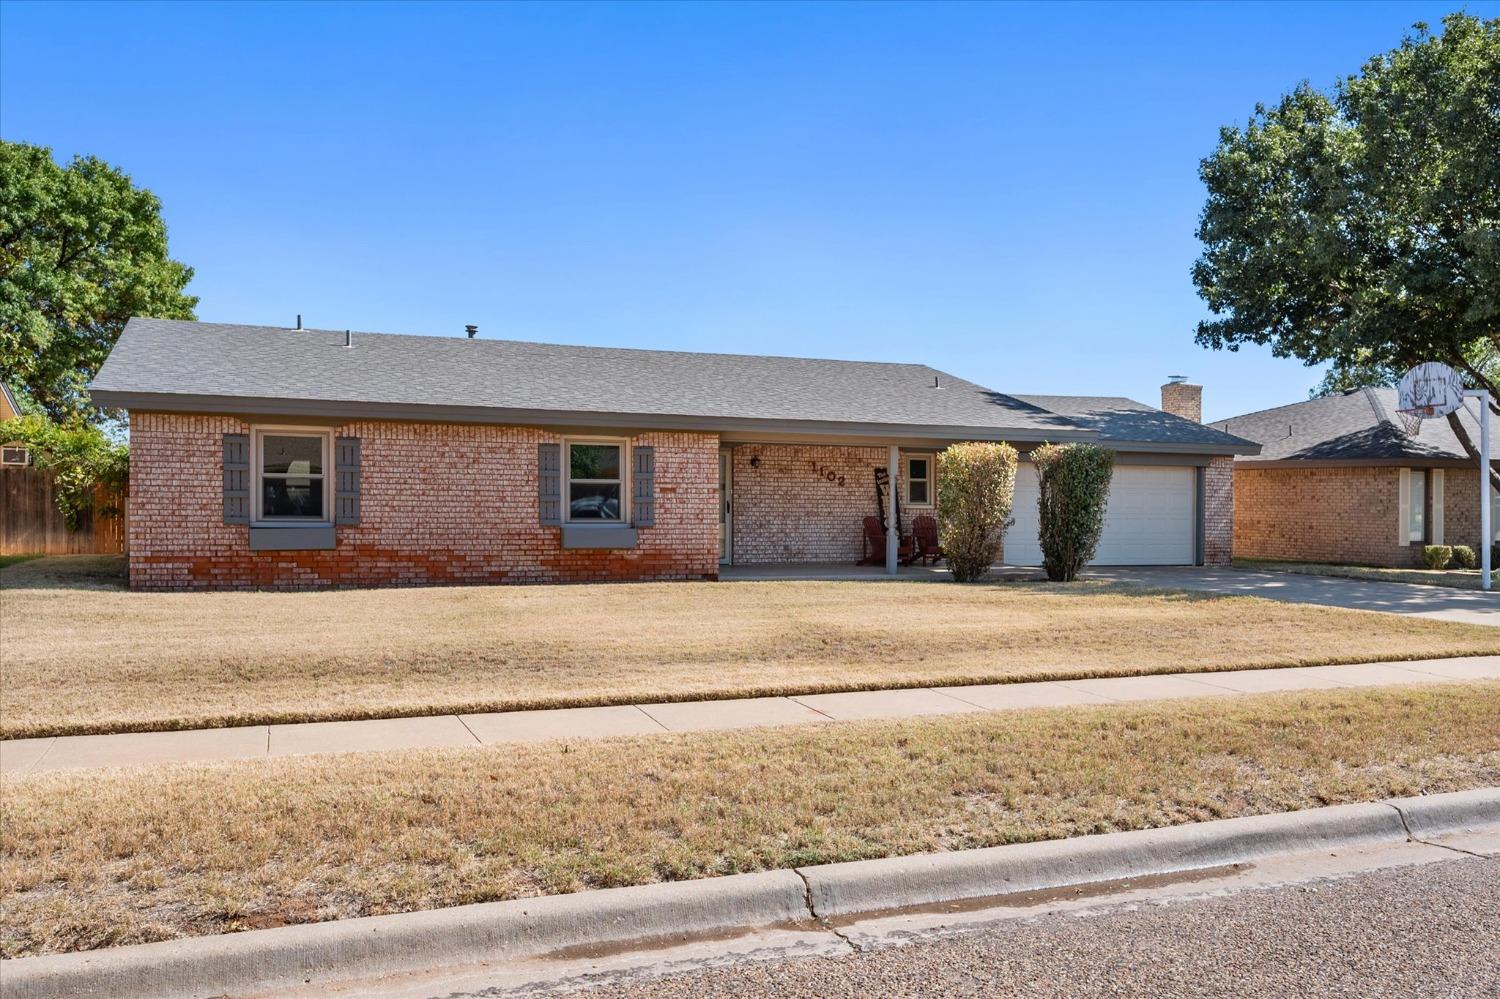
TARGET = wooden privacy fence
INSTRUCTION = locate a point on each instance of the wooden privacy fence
(31, 523)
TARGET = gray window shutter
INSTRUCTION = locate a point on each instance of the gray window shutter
(643, 495)
(236, 478)
(549, 482)
(346, 486)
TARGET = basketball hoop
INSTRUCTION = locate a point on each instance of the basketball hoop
(1411, 422)
(1427, 392)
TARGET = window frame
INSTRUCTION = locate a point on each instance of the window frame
(623, 443)
(1416, 513)
(930, 478)
(258, 434)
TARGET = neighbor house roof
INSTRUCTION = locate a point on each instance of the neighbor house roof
(1358, 426)
(183, 366)
(8, 408)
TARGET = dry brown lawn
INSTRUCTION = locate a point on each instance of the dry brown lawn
(112, 857)
(80, 654)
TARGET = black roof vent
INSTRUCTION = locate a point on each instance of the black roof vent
(471, 330)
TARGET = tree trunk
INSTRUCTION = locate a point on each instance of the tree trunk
(1462, 433)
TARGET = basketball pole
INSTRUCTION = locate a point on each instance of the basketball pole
(1483, 395)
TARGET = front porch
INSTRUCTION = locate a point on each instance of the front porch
(803, 510)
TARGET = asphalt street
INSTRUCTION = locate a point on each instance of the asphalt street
(1432, 930)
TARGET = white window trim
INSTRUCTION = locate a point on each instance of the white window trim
(1404, 507)
(257, 460)
(931, 479)
(623, 443)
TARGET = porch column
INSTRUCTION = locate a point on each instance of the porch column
(892, 529)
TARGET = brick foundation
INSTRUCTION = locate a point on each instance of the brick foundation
(441, 503)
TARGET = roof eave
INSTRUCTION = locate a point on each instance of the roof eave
(171, 402)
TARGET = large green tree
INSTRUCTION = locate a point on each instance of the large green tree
(1362, 227)
(82, 249)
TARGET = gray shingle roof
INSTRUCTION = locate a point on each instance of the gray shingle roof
(1359, 425)
(215, 367)
(1121, 420)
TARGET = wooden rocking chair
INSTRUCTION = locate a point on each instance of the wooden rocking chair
(925, 533)
(874, 545)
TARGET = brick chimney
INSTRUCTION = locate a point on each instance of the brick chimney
(1181, 399)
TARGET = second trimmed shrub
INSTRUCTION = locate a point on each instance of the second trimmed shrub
(1437, 556)
(1464, 557)
(1074, 480)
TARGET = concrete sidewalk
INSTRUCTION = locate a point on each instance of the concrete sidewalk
(20, 756)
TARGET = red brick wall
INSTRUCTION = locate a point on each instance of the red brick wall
(789, 510)
(1461, 507)
(441, 503)
(1323, 514)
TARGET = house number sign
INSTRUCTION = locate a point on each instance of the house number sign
(823, 471)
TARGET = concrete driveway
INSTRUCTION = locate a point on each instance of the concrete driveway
(1445, 603)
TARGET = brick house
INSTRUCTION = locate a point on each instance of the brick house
(1338, 480)
(272, 457)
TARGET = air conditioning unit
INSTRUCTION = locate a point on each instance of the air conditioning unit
(15, 454)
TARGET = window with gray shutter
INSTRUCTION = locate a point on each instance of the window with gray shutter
(549, 483)
(236, 478)
(346, 480)
(643, 492)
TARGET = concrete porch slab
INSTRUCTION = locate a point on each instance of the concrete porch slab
(19, 755)
(560, 723)
(745, 712)
(885, 704)
(138, 748)
(433, 732)
(1007, 696)
(1148, 688)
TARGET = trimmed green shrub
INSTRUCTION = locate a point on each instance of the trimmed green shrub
(977, 485)
(1437, 556)
(1464, 557)
(1074, 491)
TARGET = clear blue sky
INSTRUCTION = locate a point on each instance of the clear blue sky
(1005, 192)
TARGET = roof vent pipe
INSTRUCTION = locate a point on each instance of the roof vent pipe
(471, 330)
(299, 320)
(348, 339)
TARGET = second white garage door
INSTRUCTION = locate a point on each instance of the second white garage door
(1151, 518)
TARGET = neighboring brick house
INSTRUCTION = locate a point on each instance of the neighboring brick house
(290, 458)
(1338, 480)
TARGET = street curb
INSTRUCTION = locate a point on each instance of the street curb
(927, 879)
(1439, 814)
(320, 953)
(317, 953)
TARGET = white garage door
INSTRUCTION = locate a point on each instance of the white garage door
(1151, 518)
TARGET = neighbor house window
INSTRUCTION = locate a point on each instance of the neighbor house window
(1416, 518)
(292, 468)
(595, 486)
(919, 479)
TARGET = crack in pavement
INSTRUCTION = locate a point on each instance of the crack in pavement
(1427, 842)
(812, 910)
